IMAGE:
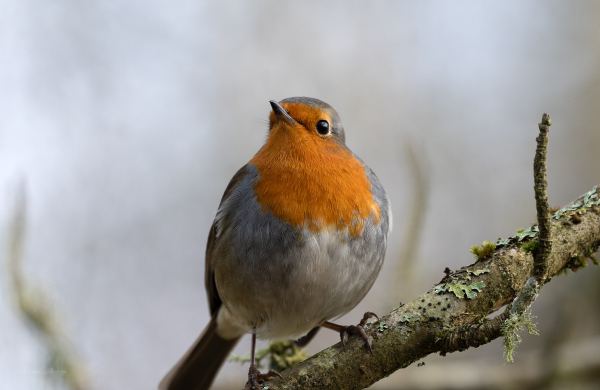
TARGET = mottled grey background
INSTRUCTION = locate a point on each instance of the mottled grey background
(126, 120)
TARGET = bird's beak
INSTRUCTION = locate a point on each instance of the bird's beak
(281, 114)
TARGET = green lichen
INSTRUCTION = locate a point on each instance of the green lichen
(485, 251)
(588, 198)
(479, 271)
(407, 318)
(381, 327)
(531, 232)
(460, 290)
(502, 242)
(559, 213)
(514, 324)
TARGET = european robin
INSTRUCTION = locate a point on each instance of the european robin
(298, 239)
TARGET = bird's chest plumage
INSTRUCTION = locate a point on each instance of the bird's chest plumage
(314, 187)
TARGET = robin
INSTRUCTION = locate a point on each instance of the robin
(298, 239)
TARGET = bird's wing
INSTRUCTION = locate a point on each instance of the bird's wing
(214, 301)
(380, 197)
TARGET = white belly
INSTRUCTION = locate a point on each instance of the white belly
(329, 281)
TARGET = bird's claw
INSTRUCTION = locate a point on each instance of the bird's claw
(357, 329)
(255, 377)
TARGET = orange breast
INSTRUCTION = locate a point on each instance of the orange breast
(307, 181)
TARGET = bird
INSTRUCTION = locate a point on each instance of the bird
(298, 240)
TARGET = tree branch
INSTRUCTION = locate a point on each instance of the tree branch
(541, 202)
(452, 315)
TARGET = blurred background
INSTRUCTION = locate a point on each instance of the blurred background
(121, 123)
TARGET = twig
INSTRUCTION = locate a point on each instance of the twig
(540, 265)
(515, 317)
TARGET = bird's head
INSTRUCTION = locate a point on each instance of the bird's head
(308, 119)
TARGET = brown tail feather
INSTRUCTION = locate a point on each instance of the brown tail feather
(197, 369)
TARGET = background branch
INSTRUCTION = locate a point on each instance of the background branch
(64, 363)
(405, 274)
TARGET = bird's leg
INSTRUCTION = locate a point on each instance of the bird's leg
(344, 331)
(254, 376)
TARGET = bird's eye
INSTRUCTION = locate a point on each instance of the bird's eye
(323, 127)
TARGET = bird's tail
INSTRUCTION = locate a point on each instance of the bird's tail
(197, 369)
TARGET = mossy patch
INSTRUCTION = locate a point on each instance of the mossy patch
(281, 355)
(530, 246)
(485, 251)
(580, 261)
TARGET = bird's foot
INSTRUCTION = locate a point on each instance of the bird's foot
(345, 331)
(254, 377)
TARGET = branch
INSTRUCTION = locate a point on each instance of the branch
(541, 202)
(452, 316)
